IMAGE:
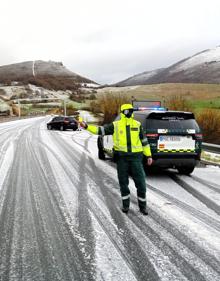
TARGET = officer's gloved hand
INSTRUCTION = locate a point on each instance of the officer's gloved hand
(82, 124)
(149, 161)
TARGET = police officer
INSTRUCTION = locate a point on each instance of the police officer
(129, 146)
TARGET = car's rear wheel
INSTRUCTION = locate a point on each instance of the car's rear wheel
(101, 153)
(62, 128)
(185, 170)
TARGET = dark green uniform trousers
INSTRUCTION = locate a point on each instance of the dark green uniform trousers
(134, 167)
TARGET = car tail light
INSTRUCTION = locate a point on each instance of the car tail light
(198, 136)
(151, 135)
(66, 121)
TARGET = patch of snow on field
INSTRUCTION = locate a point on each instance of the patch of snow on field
(90, 85)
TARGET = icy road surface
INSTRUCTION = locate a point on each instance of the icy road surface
(60, 216)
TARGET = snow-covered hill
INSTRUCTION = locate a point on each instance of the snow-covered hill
(38, 69)
(205, 57)
(139, 79)
(203, 67)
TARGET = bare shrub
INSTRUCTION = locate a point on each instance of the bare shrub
(2, 92)
(109, 104)
(178, 102)
(15, 110)
(94, 107)
(209, 120)
(70, 109)
(92, 97)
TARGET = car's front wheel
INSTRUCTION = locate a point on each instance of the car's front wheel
(49, 127)
(185, 170)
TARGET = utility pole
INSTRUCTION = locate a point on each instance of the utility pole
(19, 109)
(64, 104)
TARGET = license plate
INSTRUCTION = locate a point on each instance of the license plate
(170, 138)
(175, 143)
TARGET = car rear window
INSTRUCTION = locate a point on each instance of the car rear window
(171, 120)
(72, 119)
(171, 124)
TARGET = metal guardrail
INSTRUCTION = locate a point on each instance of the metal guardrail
(209, 147)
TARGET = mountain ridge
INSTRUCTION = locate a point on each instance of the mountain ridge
(39, 71)
(202, 67)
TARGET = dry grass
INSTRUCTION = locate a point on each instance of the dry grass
(162, 92)
(209, 121)
(109, 105)
(178, 102)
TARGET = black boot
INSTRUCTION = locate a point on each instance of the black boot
(125, 204)
(144, 211)
(142, 203)
(125, 209)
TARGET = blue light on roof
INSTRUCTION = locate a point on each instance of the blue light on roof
(156, 108)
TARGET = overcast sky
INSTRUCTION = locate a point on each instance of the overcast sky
(107, 40)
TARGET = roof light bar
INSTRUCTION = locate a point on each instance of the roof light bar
(142, 108)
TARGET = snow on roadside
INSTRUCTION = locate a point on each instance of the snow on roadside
(6, 163)
(211, 157)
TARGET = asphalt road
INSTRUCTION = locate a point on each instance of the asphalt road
(60, 216)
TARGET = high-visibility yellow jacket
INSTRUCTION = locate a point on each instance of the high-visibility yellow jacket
(128, 137)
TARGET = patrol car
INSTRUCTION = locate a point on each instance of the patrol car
(174, 137)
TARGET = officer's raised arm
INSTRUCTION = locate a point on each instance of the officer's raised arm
(107, 129)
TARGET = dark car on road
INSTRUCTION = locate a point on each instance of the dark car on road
(174, 137)
(62, 123)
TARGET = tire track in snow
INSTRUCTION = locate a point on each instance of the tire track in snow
(212, 186)
(208, 220)
(86, 269)
(133, 255)
(86, 205)
(35, 240)
(204, 218)
(191, 274)
(204, 199)
(182, 262)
